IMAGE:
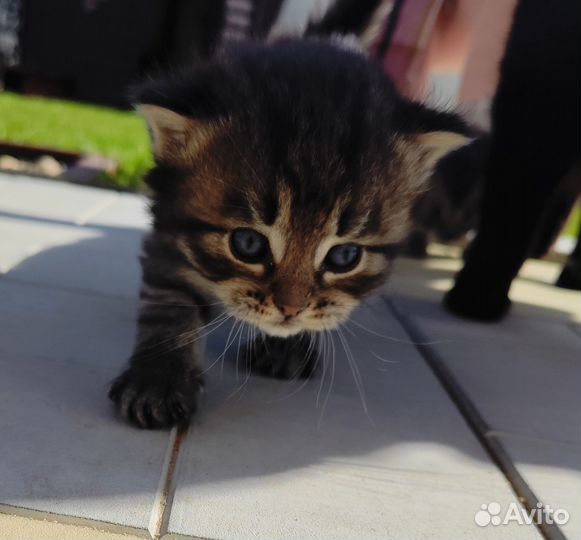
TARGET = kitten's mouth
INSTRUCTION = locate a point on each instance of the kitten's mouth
(284, 328)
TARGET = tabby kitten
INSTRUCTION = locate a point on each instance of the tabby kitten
(284, 178)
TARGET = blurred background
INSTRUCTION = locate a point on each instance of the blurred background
(66, 66)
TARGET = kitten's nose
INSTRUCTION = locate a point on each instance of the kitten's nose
(290, 311)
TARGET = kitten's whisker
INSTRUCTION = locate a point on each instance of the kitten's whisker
(350, 355)
(296, 390)
(399, 340)
(323, 347)
(310, 347)
(210, 331)
(247, 359)
(226, 348)
(246, 329)
(375, 355)
(172, 339)
(194, 331)
(355, 371)
(189, 342)
(298, 367)
(228, 345)
(243, 327)
(250, 352)
(332, 381)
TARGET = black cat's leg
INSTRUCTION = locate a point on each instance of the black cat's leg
(514, 202)
(284, 358)
(524, 171)
(558, 212)
(160, 387)
(534, 142)
(570, 277)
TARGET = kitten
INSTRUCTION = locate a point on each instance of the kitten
(284, 178)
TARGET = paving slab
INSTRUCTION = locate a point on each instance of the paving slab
(66, 454)
(553, 470)
(66, 328)
(23, 238)
(58, 324)
(128, 211)
(106, 264)
(523, 377)
(38, 198)
(271, 459)
(523, 374)
(99, 260)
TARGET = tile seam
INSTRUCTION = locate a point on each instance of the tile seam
(480, 428)
(162, 505)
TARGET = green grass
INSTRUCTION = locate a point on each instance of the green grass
(77, 127)
(572, 227)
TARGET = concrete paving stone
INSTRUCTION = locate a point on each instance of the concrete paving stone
(129, 210)
(553, 471)
(63, 325)
(21, 239)
(106, 264)
(522, 374)
(38, 198)
(65, 453)
(277, 459)
(101, 258)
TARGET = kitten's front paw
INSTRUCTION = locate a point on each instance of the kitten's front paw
(152, 399)
(477, 301)
(283, 358)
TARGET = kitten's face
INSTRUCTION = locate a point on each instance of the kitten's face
(297, 272)
(292, 276)
(289, 206)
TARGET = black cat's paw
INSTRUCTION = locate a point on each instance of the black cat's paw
(476, 301)
(151, 399)
(570, 277)
(283, 358)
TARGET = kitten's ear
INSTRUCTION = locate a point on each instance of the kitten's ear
(175, 138)
(436, 144)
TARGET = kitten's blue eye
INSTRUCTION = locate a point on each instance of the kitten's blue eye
(342, 258)
(248, 245)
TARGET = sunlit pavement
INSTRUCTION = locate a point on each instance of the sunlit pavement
(416, 425)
